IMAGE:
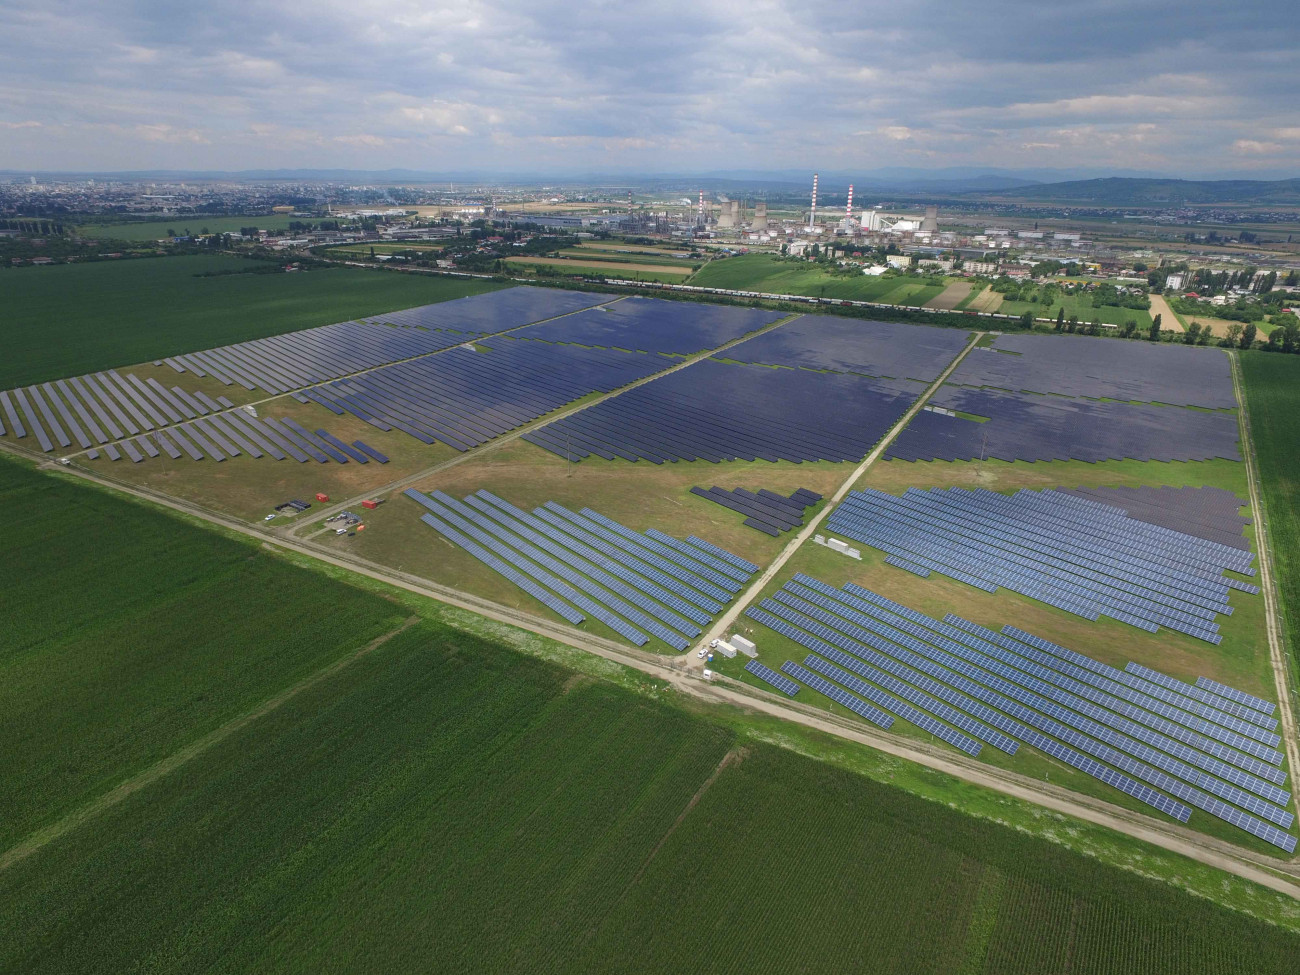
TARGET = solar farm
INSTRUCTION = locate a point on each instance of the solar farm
(1031, 552)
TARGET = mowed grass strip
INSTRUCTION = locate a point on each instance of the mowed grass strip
(1272, 391)
(129, 634)
(76, 318)
(772, 275)
(446, 805)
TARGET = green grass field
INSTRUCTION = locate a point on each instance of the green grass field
(71, 319)
(768, 274)
(129, 634)
(1273, 401)
(190, 224)
(1082, 307)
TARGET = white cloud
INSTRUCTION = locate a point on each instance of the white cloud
(675, 86)
(1253, 147)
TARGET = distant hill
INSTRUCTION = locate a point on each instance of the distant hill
(1120, 191)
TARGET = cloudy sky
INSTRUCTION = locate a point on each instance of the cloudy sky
(1187, 88)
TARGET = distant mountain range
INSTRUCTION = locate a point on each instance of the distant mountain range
(1135, 189)
(1121, 191)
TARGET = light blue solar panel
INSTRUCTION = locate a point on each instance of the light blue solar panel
(839, 695)
(548, 571)
(716, 563)
(638, 602)
(1062, 722)
(570, 529)
(518, 578)
(722, 553)
(770, 676)
(1232, 694)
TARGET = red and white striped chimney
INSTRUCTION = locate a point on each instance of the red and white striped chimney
(848, 209)
(812, 217)
(701, 206)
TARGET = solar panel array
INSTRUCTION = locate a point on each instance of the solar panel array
(285, 362)
(850, 345)
(764, 510)
(582, 564)
(1087, 558)
(654, 325)
(717, 411)
(1207, 512)
(1033, 427)
(1073, 365)
(125, 414)
(464, 398)
(1174, 746)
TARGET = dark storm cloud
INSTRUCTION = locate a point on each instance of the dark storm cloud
(1179, 87)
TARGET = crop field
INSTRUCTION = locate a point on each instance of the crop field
(441, 803)
(585, 253)
(74, 318)
(598, 266)
(953, 296)
(762, 272)
(1273, 402)
(129, 635)
(187, 225)
(614, 246)
(987, 300)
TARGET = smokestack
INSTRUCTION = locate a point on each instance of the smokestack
(848, 210)
(701, 208)
(629, 203)
(812, 217)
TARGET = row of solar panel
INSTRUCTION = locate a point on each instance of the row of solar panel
(1210, 513)
(765, 510)
(1184, 557)
(1156, 684)
(1067, 755)
(953, 544)
(1191, 713)
(829, 609)
(1172, 740)
(282, 363)
(1070, 717)
(1098, 517)
(1250, 756)
(108, 406)
(1030, 427)
(1061, 548)
(635, 584)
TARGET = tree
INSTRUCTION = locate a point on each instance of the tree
(1193, 333)
(1248, 336)
(1234, 334)
(1027, 320)
(1154, 333)
(1060, 319)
